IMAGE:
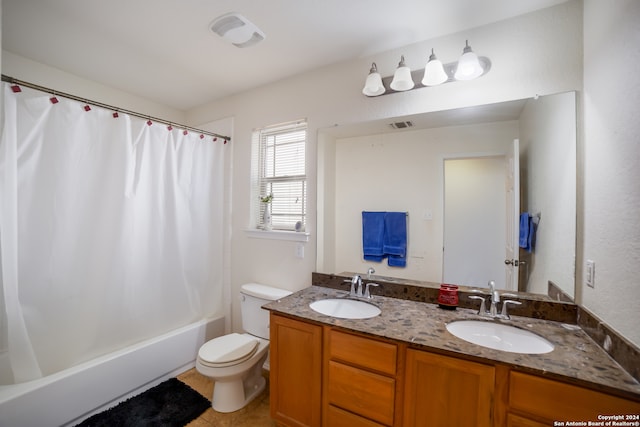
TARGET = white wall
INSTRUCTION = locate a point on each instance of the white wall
(537, 53)
(403, 171)
(547, 125)
(610, 205)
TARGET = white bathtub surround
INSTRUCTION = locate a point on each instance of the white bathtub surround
(68, 397)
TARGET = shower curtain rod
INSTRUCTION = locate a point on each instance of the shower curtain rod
(111, 107)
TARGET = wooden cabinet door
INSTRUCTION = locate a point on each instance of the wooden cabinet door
(445, 391)
(295, 372)
(552, 400)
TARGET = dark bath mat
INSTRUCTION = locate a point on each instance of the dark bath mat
(169, 404)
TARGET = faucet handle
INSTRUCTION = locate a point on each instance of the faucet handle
(367, 294)
(510, 295)
(503, 313)
(483, 305)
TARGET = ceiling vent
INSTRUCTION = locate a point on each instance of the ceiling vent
(401, 125)
(237, 30)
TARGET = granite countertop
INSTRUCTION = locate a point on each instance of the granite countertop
(576, 358)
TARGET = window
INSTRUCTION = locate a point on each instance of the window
(279, 167)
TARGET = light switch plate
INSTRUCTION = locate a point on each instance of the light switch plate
(590, 274)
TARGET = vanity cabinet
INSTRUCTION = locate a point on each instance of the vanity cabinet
(326, 376)
(296, 372)
(446, 391)
(359, 380)
(536, 401)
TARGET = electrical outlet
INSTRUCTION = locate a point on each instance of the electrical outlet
(299, 251)
(590, 274)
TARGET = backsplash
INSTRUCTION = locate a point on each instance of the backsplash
(620, 349)
(536, 306)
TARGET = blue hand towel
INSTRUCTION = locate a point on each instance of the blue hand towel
(372, 235)
(396, 261)
(524, 230)
(531, 237)
(395, 234)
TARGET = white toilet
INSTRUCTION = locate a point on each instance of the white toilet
(234, 361)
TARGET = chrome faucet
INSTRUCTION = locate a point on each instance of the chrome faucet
(356, 286)
(370, 271)
(495, 299)
(494, 295)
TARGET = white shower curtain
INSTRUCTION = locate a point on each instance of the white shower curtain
(111, 231)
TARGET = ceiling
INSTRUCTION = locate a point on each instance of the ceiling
(162, 50)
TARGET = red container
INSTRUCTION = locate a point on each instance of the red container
(448, 296)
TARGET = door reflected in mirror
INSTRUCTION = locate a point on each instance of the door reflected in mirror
(372, 167)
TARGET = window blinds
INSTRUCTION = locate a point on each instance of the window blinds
(282, 173)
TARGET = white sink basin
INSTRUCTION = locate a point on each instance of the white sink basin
(500, 337)
(345, 308)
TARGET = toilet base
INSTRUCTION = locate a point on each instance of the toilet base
(230, 396)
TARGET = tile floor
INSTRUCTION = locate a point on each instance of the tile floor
(256, 414)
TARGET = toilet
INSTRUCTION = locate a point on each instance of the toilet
(234, 361)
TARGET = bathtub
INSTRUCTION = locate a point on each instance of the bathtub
(68, 397)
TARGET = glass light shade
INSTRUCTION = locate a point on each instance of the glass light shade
(434, 73)
(469, 66)
(402, 77)
(373, 85)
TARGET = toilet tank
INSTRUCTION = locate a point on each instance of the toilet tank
(253, 296)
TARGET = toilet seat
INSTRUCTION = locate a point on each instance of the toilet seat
(228, 350)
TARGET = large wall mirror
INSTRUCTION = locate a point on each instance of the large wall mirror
(450, 172)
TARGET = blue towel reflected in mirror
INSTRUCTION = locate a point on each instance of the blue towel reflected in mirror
(528, 228)
(384, 235)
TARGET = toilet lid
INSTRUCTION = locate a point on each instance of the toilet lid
(228, 349)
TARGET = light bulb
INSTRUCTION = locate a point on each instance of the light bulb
(402, 77)
(373, 85)
(434, 73)
(469, 66)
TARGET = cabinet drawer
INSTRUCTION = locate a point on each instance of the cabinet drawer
(516, 421)
(554, 400)
(364, 393)
(337, 417)
(368, 353)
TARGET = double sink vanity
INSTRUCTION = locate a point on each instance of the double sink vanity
(381, 361)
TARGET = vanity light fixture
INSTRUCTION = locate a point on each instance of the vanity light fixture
(237, 30)
(470, 66)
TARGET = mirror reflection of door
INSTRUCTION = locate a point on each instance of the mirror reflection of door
(512, 247)
(475, 213)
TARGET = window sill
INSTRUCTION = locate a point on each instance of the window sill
(294, 236)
